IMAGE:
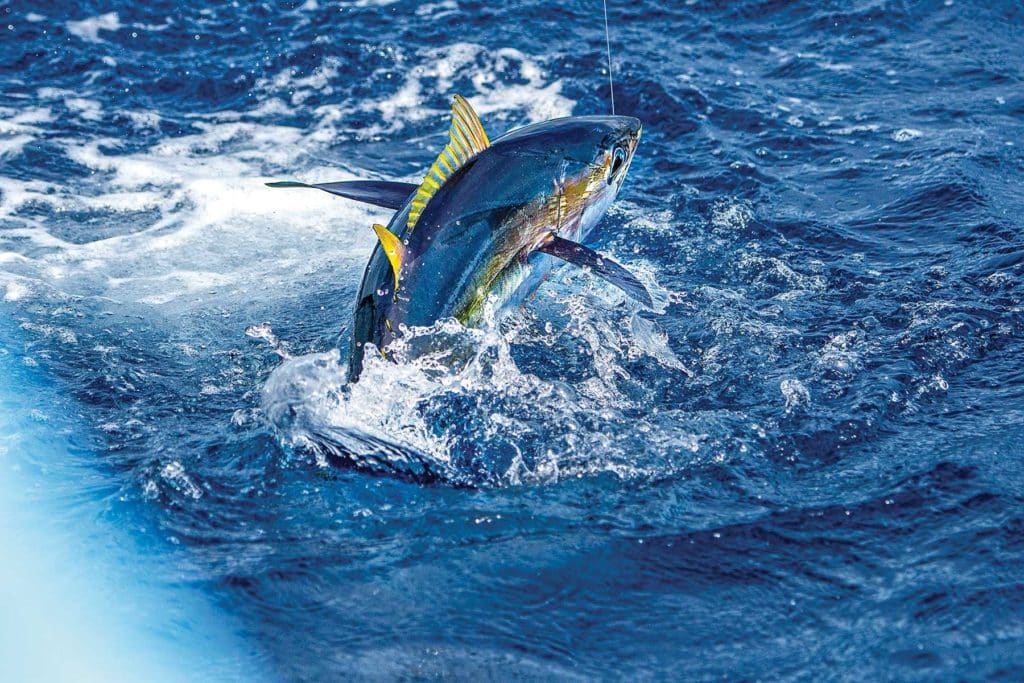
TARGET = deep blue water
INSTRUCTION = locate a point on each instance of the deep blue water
(806, 464)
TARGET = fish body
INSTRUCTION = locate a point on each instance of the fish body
(483, 229)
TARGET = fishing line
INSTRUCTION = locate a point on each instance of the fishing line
(608, 44)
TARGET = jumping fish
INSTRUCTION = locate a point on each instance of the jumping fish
(478, 234)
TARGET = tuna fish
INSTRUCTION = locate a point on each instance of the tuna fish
(489, 220)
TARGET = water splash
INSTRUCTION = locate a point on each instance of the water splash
(458, 407)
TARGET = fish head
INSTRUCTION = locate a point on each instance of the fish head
(579, 165)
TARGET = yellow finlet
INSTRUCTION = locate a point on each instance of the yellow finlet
(466, 139)
(393, 247)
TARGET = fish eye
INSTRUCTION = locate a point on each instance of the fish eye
(618, 159)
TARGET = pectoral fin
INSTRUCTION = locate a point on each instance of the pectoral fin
(585, 257)
(384, 193)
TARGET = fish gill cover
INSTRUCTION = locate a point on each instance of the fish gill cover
(804, 464)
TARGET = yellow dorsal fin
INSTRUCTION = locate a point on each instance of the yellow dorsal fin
(393, 247)
(466, 139)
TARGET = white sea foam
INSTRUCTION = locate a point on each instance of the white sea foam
(23, 120)
(730, 217)
(540, 98)
(10, 146)
(191, 215)
(17, 193)
(89, 29)
(16, 291)
(436, 10)
(303, 88)
(859, 128)
(429, 77)
(189, 223)
(85, 108)
(423, 92)
(795, 393)
(210, 221)
(18, 127)
(904, 134)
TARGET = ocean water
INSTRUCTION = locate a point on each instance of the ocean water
(805, 464)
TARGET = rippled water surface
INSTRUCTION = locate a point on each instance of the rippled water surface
(806, 463)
